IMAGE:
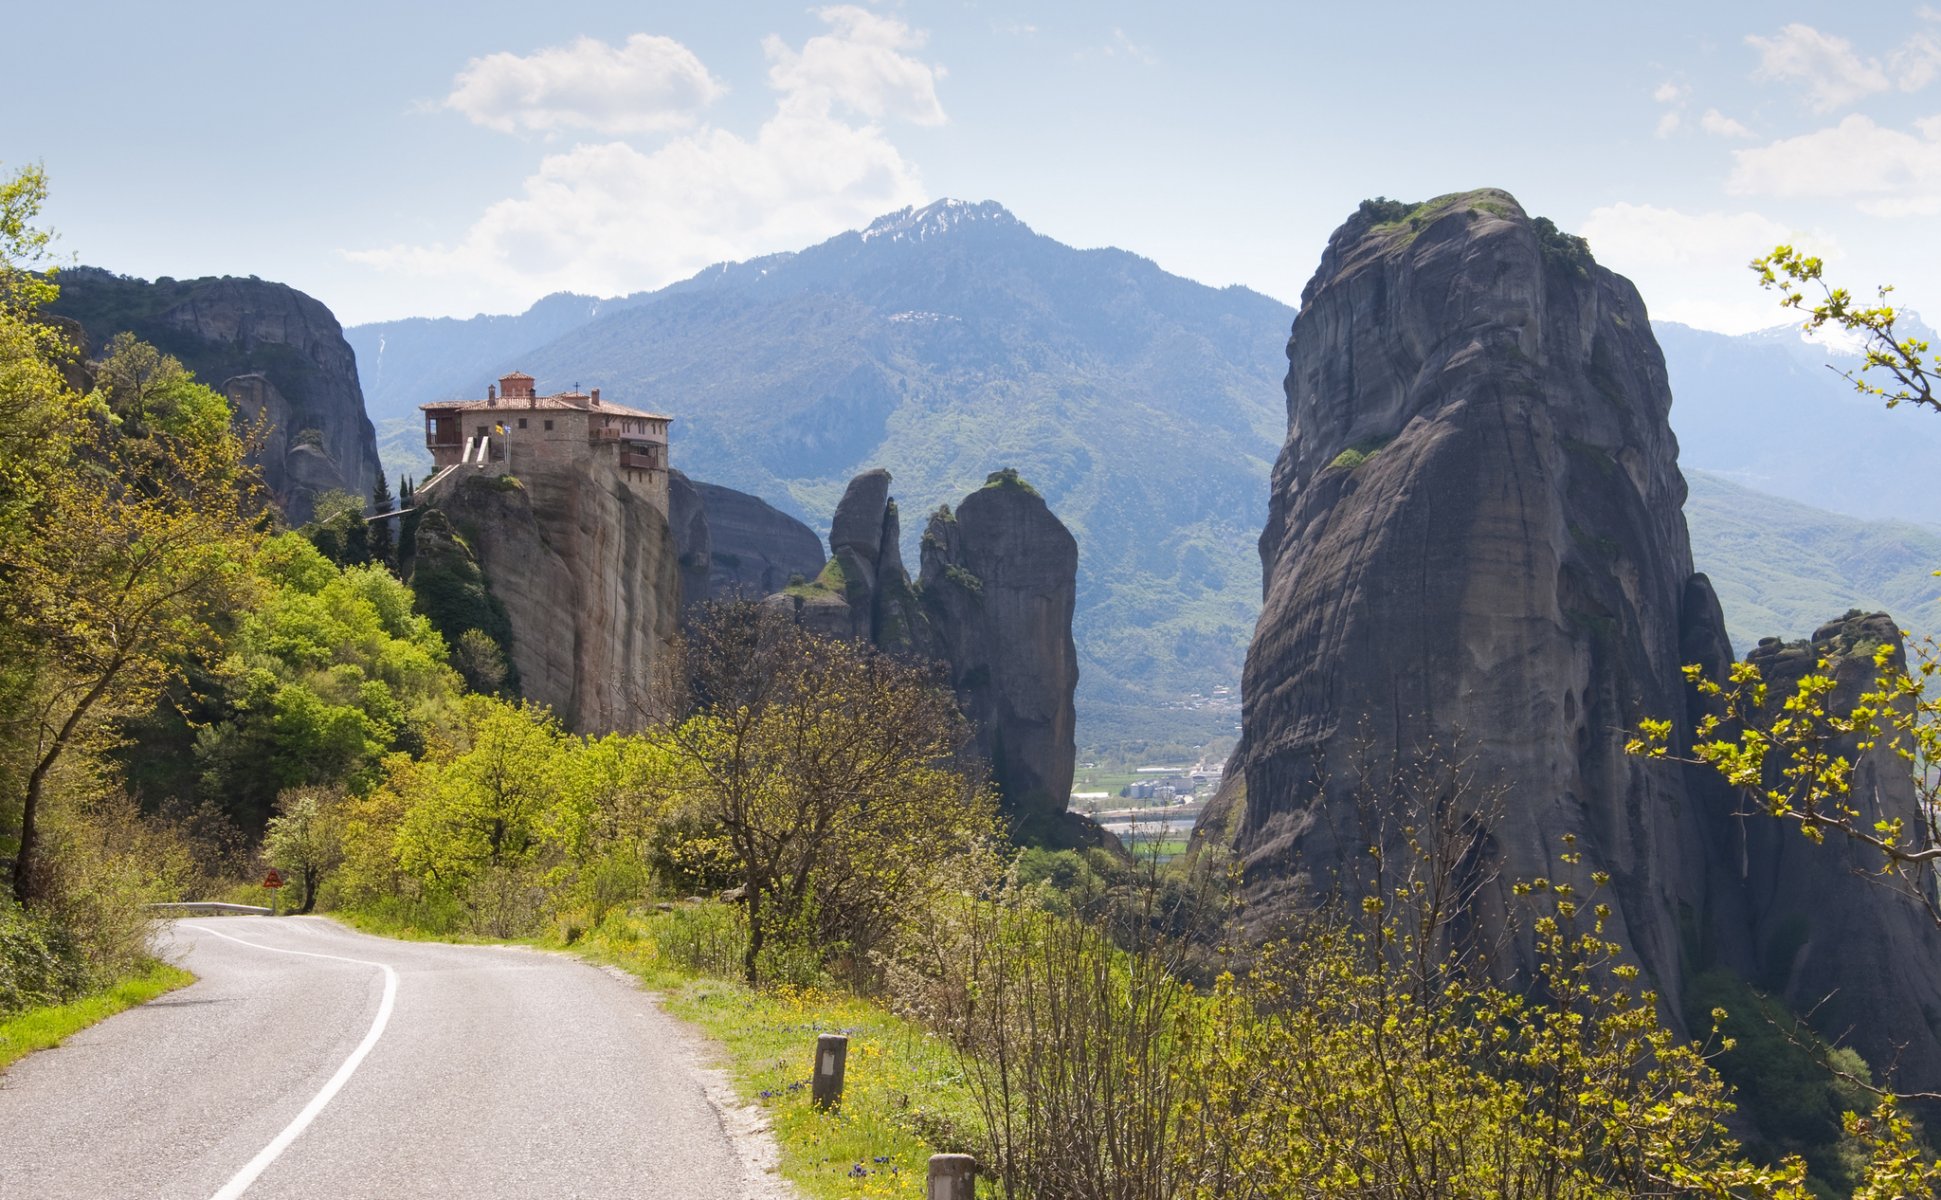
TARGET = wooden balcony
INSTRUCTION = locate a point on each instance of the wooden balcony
(644, 459)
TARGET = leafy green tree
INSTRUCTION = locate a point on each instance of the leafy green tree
(379, 538)
(483, 826)
(304, 838)
(330, 672)
(338, 530)
(831, 771)
(129, 533)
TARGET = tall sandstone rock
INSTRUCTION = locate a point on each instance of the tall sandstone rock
(993, 605)
(278, 354)
(1475, 544)
(999, 581)
(1823, 932)
(588, 575)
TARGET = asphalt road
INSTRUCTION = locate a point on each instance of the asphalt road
(311, 1061)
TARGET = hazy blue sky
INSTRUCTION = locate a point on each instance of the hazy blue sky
(397, 159)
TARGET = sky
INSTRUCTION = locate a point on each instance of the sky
(394, 159)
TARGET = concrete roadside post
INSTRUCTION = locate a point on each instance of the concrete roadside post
(831, 1055)
(952, 1177)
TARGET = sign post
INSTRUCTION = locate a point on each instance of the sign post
(274, 882)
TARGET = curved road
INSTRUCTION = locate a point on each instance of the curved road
(311, 1061)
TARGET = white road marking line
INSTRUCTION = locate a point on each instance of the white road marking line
(281, 1142)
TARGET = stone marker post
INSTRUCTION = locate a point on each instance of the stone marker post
(952, 1177)
(831, 1055)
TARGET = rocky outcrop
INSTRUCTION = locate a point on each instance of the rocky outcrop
(1825, 933)
(278, 355)
(863, 591)
(999, 579)
(734, 545)
(588, 575)
(1475, 548)
(1475, 551)
(994, 607)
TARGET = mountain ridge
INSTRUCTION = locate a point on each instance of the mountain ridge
(952, 341)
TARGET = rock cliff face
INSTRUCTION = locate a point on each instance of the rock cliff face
(999, 580)
(1822, 934)
(994, 607)
(275, 352)
(1475, 543)
(589, 578)
(1475, 548)
(733, 544)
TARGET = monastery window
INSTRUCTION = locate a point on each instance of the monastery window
(549, 426)
(481, 431)
(522, 422)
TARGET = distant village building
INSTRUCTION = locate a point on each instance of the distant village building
(514, 431)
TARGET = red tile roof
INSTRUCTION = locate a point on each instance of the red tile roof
(568, 401)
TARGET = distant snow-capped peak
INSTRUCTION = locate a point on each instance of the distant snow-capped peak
(1834, 341)
(934, 220)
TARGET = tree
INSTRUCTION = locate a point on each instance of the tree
(383, 549)
(304, 838)
(128, 519)
(480, 827)
(832, 771)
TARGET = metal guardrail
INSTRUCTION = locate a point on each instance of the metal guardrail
(208, 908)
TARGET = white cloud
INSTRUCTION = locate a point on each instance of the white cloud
(611, 217)
(1885, 172)
(1668, 124)
(1669, 92)
(647, 85)
(1718, 124)
(1916, 63)
(859, 67)
(1834, 75)
(1691, 267)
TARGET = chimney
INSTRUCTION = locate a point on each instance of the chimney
(596, 395)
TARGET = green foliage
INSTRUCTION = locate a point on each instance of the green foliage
(829, 771)
(338, 530)
(1383, 211)
(1779, 1070)
(331, 672)
(450, 590)
(46, 1027)
(512, 823)
(1357, 454)
(1366, 1056)
(1561, 249)
(1905, 361)
(306, 839)
(157, 516)
(41, 962)
(1008, 477)
(965, 579)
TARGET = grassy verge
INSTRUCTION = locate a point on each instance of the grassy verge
(903, 1095)
(44, 1028)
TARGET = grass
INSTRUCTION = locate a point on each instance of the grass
(45, 1028)
(903, 1100)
